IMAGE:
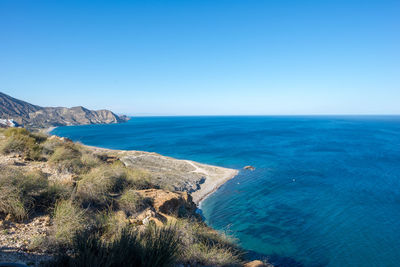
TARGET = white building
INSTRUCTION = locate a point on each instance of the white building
(8, 123)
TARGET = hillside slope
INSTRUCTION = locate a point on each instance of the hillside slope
(34, 116)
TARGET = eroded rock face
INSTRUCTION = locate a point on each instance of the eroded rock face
(178, 204)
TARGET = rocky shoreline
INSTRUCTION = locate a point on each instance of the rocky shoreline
(165, 191)
(198, 179)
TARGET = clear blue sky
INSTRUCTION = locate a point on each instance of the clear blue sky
(205, 56)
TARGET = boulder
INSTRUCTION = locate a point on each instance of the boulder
(250, 168)
(256, 263)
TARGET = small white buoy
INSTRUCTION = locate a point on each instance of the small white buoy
(294, 180)
(238, 183)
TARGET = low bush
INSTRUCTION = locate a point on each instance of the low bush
(16, 131)
(50, 145)
(96, 186)
(68, 158)
(21, 194)
(205, 246)
(131, 202)
(90, 161)
(138, 179)
(68, 219)
(21, 141)
(203, 254)
(11, 202)
(153, 247)
(112, 224)
(55, 191)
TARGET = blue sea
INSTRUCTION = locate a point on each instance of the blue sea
(325, 191)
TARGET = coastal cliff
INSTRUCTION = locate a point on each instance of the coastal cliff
(33, 116)
(53, 191)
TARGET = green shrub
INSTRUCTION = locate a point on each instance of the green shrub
(131, 202)
(21, 141)
(154, 247)
(20, 193)
(96, 186)
(161, 246)
(112, 224)
(16, 131)
(39, 137)
(50, 145)
(55, 191)
(68, 220)
(138, 179)
(90, 160)
(11, 202)
(203, 254)
(205, 246)
(21, 144)
(68, 158)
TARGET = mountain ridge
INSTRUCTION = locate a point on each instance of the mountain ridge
(34, 116)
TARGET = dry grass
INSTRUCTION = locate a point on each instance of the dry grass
(96, 186)
(113, 224)
(11, 202)
(107, 191)
(68, 220)
(49, 146)
(20, 141)
(131, 202)
(67, 158)
(152, 247)
(205, 246)
(21, 194)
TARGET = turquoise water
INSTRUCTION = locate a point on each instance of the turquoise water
(325, 192)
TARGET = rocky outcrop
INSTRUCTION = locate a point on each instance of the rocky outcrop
(34, 116)
(198, 179)
(177, 204)
(164, 207)
(249, 168)
(257, 263)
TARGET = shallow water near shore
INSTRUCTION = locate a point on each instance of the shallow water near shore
(325, 191)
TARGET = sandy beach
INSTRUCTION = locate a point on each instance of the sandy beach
(212, 183)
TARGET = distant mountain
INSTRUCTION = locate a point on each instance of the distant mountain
(33, 116)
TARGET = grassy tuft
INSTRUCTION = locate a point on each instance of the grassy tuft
(96, 186)
(154, 247)
(138, 179)
(68, 220)
(113, 224)
(21, 141)
(131, 202)
(21, 194)
(90, 160)
(12, 203)
(16, 131)
(67, 158)
(50, 145)
(205, 246)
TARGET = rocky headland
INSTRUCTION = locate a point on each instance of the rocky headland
(198, 179)
(33, 116)
(82, 187)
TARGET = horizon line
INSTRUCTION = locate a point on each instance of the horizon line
(258, 115)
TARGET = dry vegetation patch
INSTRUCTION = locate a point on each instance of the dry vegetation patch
(109, 214)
